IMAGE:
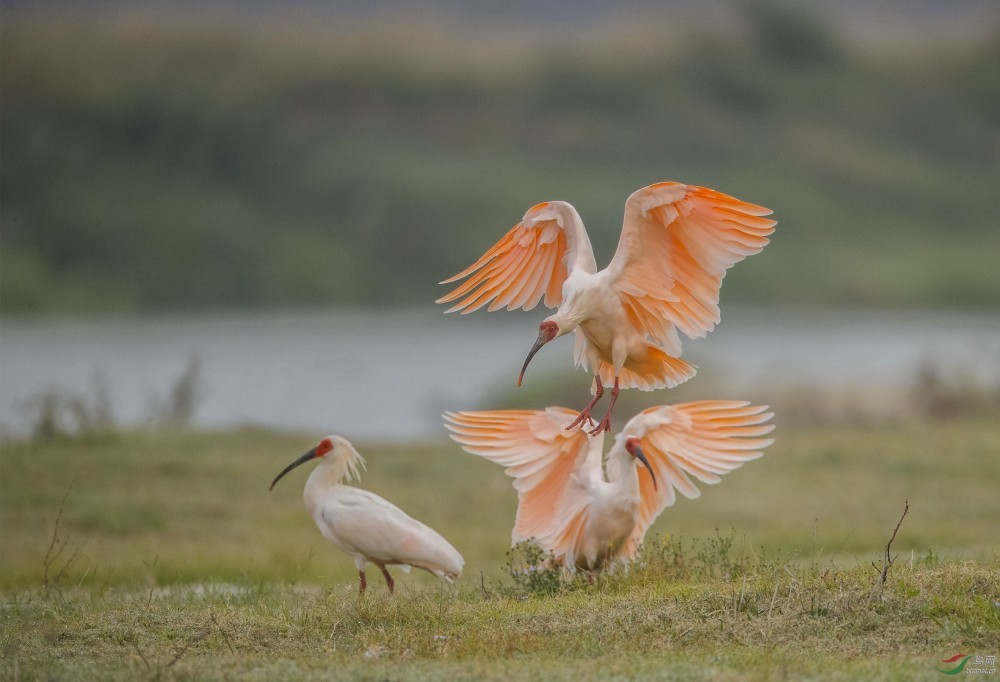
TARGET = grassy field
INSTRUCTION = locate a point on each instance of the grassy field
(171, 560)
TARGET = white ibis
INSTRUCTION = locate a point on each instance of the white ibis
(586, 514)
(364, 525)
(677, 242)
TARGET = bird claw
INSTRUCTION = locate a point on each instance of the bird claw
(605, 425)
(584, 416)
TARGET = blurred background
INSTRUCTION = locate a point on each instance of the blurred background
(259, 198)
(222, 225)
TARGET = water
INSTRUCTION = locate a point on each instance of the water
(390, 375)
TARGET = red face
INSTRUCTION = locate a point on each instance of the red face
(634, 447)
(324, 447)
(547, 331)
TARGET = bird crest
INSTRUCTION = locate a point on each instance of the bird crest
(349, 461)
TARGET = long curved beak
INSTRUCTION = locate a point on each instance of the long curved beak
(301, 460)
(641, 456)
(539, 342)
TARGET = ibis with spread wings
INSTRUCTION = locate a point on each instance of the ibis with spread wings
(676, 244)
(587, 509)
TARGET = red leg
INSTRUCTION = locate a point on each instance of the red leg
(605, 424)
(362, 582)
(388, 579)
(585, 412)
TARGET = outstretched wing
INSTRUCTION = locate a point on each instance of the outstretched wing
(552, 468)
(700, 440)
(676, 244)
(531, 261)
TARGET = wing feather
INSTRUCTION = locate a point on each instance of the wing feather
(503, 271)
(677, 243)
(550, 466)
(528, 265)
(506, 273)
(539, 271)
(699, 440)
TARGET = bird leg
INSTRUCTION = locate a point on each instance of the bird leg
(362, 582)
(584, 415)
(388, 579)
(605, 424)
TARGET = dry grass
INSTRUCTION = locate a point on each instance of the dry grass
(770, 621)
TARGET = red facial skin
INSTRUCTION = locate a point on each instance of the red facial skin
(324, 447)
(634, 447)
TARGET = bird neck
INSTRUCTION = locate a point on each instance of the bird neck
(328, 474)
(567, 318)
(579, 301)
(343, 462)
(622, 473)
(320, 480)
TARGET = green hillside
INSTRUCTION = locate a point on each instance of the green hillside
(156, 162)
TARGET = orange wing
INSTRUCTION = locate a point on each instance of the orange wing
(677, 243)
(531, 261)
(702, 440)
(551, 467)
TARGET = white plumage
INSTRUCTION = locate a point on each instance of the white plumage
(365, 526)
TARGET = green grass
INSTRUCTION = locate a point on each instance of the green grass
(166, 508)
(184, 566)
(765, 624)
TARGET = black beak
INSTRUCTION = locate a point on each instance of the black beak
(641, 456)
(301, 460)
(539, 342)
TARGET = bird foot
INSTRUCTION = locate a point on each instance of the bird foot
(605, 425)
(584, 416)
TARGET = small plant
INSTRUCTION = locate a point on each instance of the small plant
(533, 571)
(889, 560)
(56, 414)
(941, 393)
(663, 557)
(45, 413)
(672, 559)
(93, 414)
(179, 407)
(56, 546)
(714, 558)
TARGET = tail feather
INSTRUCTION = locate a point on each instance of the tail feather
(656, 370)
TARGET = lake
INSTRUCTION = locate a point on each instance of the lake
(390, 375)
